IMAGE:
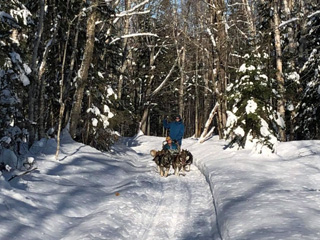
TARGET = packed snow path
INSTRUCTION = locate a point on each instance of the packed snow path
(118, 195)
(182, 207)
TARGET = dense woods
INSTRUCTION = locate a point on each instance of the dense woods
(247, 70)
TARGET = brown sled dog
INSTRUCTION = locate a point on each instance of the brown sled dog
(163, 160)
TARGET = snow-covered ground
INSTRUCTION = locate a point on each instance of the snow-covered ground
(264, 197)
(228, 194)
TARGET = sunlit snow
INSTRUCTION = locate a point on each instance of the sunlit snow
(228, 194)
(243, 68)
(251, 106)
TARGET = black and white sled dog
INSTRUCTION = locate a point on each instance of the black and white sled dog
(185, 154)
(182, 162)
(177, 164)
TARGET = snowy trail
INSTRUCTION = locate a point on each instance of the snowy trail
(89, 195)
(184, 209)
(93, 195)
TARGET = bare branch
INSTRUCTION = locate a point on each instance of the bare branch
(133, 35)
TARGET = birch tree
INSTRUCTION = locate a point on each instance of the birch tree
(180, 49)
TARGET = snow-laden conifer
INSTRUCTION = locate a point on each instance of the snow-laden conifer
(251, 116)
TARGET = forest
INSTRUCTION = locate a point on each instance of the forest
(246, 70)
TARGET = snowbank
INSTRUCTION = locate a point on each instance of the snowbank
(263, 197)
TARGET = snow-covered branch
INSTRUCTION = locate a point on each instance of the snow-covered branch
(122, 14)
(211, 37)
(133, 35)
(310, 60)
(296, 19)
(287, 22)
(131, 11)
(313, 14)
(165, 80)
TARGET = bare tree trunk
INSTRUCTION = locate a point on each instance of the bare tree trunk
(64, 85)
(143, 123)
(182, 80)
(148, 92)
(72, 64)
(288, 5)
(126, 51)
(292, 47)
(148, 127)
(248, 13)
(206, 128)
(279, 74)
(42, 81)
(61, 100)
(182, 70)
(221, 66)
(85, 138)
(211, 60)
(292, 44)
(181, 53)
(197, 104)
(33, 85)
(83, 72)
(302, 45)
(206, 100)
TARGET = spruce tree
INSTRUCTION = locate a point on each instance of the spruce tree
(251, 116)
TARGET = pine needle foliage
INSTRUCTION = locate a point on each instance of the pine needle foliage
(251, 114)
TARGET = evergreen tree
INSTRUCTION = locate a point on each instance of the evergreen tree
(15, 19)
(308, 117)
(251, 119)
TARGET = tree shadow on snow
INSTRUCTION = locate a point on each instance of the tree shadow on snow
(67, 192)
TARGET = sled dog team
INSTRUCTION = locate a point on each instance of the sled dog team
(164, 159)
(171, 154)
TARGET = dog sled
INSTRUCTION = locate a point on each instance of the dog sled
(165, 159)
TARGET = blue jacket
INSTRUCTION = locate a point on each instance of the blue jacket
(176, 130)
